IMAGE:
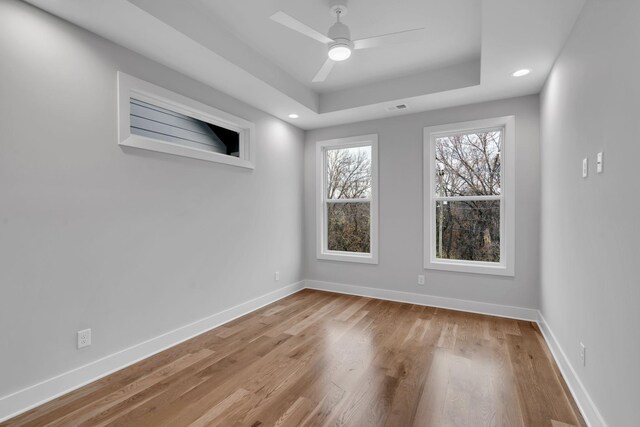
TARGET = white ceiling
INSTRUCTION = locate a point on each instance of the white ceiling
(232, 45)
(453, 36)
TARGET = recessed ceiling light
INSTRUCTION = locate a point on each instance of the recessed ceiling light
(293, 116)
(521, 73)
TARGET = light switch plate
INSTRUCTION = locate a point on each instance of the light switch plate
(599, 162)
(585, 168)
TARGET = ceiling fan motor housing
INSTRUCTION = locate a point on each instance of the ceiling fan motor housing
(340, 35)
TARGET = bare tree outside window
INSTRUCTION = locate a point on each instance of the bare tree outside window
(467, 192)
(348, 186)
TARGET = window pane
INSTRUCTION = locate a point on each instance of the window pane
(468, 164)
(165, 125)
(349, 173)
(468, 230)
(349, 227)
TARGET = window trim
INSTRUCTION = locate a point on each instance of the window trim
(132, 87)
(506, 267)
(322, 252)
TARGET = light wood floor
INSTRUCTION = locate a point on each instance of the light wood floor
(318, 358)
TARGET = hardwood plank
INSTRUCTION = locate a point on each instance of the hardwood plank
(323, 409)
(317, 358)
(135, 388)
(208, 417)
(431, 398)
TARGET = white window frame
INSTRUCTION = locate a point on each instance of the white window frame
(132, 87)
(323, 252)
(506, 266)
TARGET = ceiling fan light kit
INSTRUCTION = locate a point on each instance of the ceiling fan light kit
(339, 52)
(341, 46)
(338, 40)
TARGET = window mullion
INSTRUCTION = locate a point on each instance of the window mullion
(465, 198)
(367, 200)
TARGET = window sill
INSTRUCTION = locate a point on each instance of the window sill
(471, 267)
(348, 257)
(150, 144)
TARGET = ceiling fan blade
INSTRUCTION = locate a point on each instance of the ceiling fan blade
(393, 38)
(295, 25)
(324, 71)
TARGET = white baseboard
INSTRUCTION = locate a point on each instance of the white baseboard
(37, 394)
(589, 411)
(511, 312)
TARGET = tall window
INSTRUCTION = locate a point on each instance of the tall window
(469, 211)
(347, 199)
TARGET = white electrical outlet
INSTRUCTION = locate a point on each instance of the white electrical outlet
(276, 276)
(421, 280)
(583, 354)
(84, 338)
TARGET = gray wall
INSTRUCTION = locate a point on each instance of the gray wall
(129, 243)
(590, 234)
(401, 254)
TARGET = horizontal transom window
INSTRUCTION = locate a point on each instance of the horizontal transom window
(156, 119)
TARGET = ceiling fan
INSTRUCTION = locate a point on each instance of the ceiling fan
(338, 39)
